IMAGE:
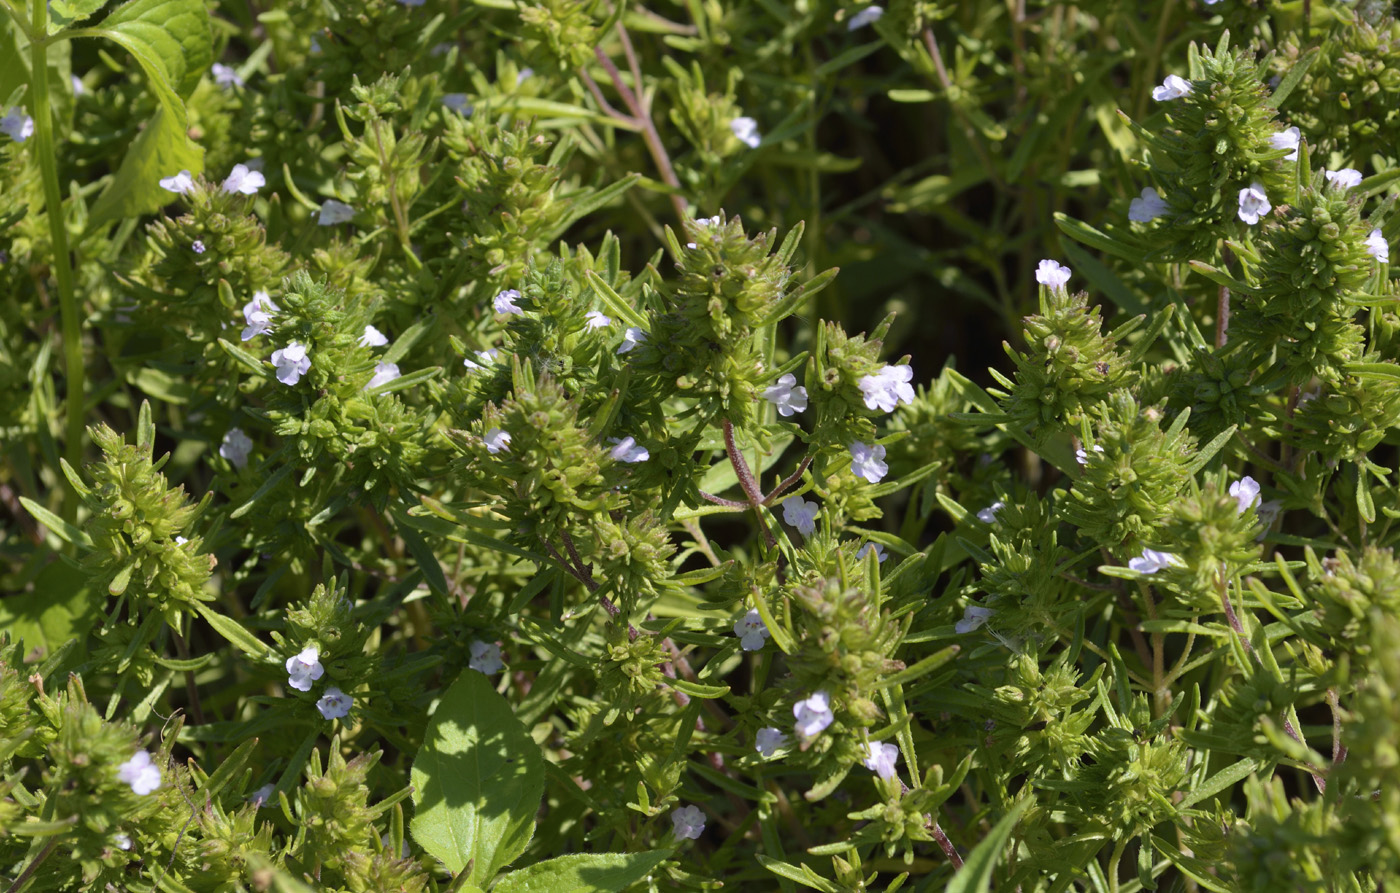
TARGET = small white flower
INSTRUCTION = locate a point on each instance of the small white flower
(631, 338)
(1268, 513)
(1082, 457)
(746, 131)
(486, 658)
(178, 183)
(305, 668)
(263, 795)
(867, 16)
(1147, 207)
(236, 447)
(1052, 274)
(813, 715)
(497, 441)
(1346, 178)
(224, 76)
(333, 212)
(689, 822)
(197, 246)
(751, 631)
(121, 841)
(180, 540)
(505, 302)
(880, 758)
(1287, 139)
(1246, 492)
(457, 102)
(627, 450)
(1172, 88)
(244, 180)
(524, 75)
(1254, 203)
(879, 551)
(596, 320)
(258, 313)
(801, 514)
(1377, 246)
(787, 395)
(989, 514)
(78, 87)
(973, 618)
(887, 388)
(17, 125)
(1151, 561)
(291, 362)
(334, 704)
(383, 374)
(868, 462)
(139, 772)
(373, 338)
(483, 359)
(767, 741)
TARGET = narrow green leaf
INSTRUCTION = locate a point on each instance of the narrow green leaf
(1296, 71)
(583, 873)
(1225, 778)
(61, 528)
(233, 631)
(922, 668)
(976, 874)
(696, 690)
(1087, 235)
(422, 553)
(477, 781)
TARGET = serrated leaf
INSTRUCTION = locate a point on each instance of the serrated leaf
(477, 781)
(582, 873)
(63, 13)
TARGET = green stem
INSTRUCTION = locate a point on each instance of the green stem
(47, 158)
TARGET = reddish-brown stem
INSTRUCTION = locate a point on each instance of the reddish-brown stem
(1339, 751)
(788, 481)
(1318, 780)
(1222, 316)
(720, 500)
(1230, 613)
(741, 466)
(947, 845)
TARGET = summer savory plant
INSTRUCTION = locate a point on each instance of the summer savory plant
(439, 452)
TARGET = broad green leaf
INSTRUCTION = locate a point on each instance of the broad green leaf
(477, 781)
(582, 873)
(162, 149)
(64, 13)
(172, 40)
(976, 874)
(60, 608)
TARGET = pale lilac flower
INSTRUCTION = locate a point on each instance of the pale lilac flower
(236, 447)
(1287, 139)
(751, 631)
(178, 183)
(505, 303)
(746, 131)
(597, 320)
(627, 450)
(263, 795)
(631, 338)
(197, 246)
(373, 338)
(334, 704)
(767, 741)
(867, 16)
(1052, 274)
(257, 313)
(973, 618)
(887, 388)
(688, 822)
(122, 841)
(333, 212)
(880, 555)
(457, 102)
(1147, 207)
(17, 125)
(1254, 203)
(1246, 492)
(1377, 246)
(524, 75)
(483, 359)
(801, 514)
(868, 462)
(224, 76)
(413, 2)
(880, 758)
(1268, 513)
(291, 362)
(1082, 457)
(1172, 88)
(989, 514)
(1346, 178)
(78, 87)
(305, 668)
(787, 395)
(486, 658)
(383, 374)
(497, 441)
(244, 180)
(1151, 561)
(813, 715)
(139, 772)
